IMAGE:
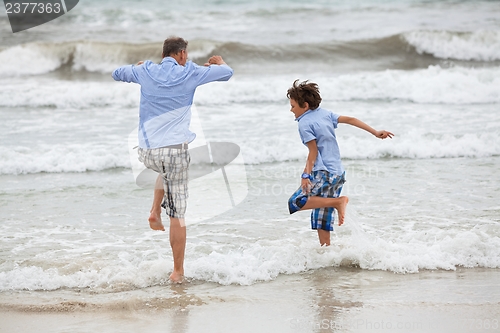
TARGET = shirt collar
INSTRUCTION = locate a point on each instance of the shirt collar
(169, 59)
(302, 115)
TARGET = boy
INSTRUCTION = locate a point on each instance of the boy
(323, 174)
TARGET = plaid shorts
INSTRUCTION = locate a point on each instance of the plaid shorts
(326, 185)
(173, 165)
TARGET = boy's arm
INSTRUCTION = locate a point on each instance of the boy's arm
(311, 159)
(358, 123)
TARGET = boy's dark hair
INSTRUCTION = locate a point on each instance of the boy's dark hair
(173, 45)
(305, 92)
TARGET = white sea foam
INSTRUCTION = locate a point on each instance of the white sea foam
(68, 94)
(408, 253)
(412, 145)
(481, 45)
(77, 157)
(456, 85)
(92, 156)
(263, 260)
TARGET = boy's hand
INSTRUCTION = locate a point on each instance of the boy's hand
(384, 134)
(306, 185)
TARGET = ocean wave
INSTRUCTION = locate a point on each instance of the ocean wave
(47, 93)
(411, 145)
(403, 51)
(264, 260)
(482, 45)
(91, 56)
(61, 158)
(456, 85)
(42, 58)
(82, 157)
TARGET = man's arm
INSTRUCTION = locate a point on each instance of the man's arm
(217, 70)
(126, 73)
(358, 123)
(311, 159)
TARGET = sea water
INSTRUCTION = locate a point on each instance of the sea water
(72, 215)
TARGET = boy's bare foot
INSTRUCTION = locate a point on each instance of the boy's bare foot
(155, 222)
(176, 277)
(341, 209)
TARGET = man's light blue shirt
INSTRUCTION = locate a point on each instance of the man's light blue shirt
(167, 92)
(320, 124)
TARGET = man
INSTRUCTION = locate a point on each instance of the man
(167, 92)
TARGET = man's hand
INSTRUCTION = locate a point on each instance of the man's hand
(215, 60)
(384, 134)
(139, 63)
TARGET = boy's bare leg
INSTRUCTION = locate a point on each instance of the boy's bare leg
(178, 244)
(339, 204)
(155, 216)
(324, 237)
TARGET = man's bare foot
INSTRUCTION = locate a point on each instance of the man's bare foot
(341, 209)
(176, 277)
(155, 222)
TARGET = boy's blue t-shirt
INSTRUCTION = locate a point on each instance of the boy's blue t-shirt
(319, 125)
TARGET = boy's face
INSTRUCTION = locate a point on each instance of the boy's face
(296, 109)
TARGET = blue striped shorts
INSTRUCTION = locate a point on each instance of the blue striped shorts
(326, 185)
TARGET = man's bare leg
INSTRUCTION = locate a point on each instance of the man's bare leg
(339, 204)
(155, 216)
(178, 244)
(324, 237)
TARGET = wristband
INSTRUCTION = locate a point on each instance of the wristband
(306, 176)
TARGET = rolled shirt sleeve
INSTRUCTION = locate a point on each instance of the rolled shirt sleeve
(126, 74)
(212, 73)
(335, 119)
(306, 133)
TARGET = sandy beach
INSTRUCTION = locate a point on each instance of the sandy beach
(333, 299)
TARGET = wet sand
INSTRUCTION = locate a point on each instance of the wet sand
(333, 299)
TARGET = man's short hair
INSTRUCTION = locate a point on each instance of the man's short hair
(173, 45)
(305, 92)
